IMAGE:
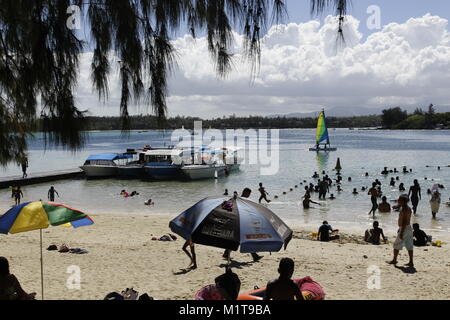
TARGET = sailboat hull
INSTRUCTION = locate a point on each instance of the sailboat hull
(323, 149)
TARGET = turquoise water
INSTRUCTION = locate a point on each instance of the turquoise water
(360, 151)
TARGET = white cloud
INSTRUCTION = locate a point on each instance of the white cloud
(402, 64)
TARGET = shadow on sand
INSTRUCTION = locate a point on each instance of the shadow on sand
(182, 271)
(407, 269)
(238, 265)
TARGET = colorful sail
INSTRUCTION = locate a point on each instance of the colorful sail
(322, 131)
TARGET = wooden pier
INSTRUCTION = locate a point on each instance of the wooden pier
(41, 177)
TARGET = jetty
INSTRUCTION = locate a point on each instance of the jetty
(41, 177)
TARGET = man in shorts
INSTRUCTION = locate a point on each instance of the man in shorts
(405, 231)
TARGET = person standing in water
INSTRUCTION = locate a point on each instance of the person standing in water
(414, 193)
(435, 203)
(263, 193)
(373, 198)
(405, 236)
(18, 194)
(51, 194)
(323, 188)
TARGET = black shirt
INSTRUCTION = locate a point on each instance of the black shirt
(421, 238)
(324, 232)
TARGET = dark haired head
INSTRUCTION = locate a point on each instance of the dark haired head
(286, 267)
(230, 283)
(325, 222)
(4, 266)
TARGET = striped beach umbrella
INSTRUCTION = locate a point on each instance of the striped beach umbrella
(232, 223)
(40, 215)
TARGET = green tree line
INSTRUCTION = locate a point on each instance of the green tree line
(396, 118)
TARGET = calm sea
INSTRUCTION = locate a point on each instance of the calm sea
(360, 151)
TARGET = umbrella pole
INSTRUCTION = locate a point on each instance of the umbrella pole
(42, 268)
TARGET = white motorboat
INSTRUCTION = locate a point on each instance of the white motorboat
(103, 165)
(203, 171)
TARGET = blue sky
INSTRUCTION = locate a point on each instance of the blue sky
(391, 10)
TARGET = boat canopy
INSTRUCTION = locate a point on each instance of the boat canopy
(164, 152)
(109, 156)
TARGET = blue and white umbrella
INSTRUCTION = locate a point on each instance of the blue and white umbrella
(229, 223)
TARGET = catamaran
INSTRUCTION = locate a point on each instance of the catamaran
(322, 135)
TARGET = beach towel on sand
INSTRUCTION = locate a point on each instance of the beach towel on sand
(311, 290)
(210, 292)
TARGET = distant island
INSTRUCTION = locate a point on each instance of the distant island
(392, 118)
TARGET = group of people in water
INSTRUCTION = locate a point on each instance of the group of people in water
(322, 187)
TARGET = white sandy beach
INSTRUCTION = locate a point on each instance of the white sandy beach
(121, 254)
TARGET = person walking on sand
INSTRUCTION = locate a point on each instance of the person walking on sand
(405, 232)
(373, 198)
(435, 202)
(24, 166)
(51, 194)
(263, 193)
(284, 288)
(414, 192)
(18, 195)
(191, 255)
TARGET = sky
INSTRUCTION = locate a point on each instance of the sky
(405, 61)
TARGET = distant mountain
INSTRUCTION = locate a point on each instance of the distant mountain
(351, 112)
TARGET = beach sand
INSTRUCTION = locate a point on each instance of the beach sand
(121, 254)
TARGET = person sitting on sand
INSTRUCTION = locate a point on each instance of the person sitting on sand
(307, 201)
(324, 233)
(420, 237)
(373, 235)
(10, 288)
(191, 255)
(405, 231)
(228, 284)
(284, 288)
(384, 206)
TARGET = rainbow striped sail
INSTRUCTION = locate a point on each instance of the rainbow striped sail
(322, 131)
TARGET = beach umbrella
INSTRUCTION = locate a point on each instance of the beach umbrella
(232, 223)
(40, 215)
